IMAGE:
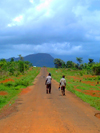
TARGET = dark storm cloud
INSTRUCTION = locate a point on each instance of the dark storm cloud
(44, 24)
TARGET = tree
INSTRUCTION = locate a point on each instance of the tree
(59, 63)
(21, 66)
(28, 63)
(85, 65)
(12, 59)
(69, 64)
(3, 64)
(63, 65)
(21, 58)
(90, 61)
(4, 60)
(96, 68)
(79, 59)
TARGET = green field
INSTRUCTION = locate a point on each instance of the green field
(12, 86)
(86, 87)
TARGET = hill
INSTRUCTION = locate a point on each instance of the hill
(39, 60)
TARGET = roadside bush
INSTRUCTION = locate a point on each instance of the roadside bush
(96, 69)
(14, 88)
(2, 100)
(11, 70)
(9, 84)
(21, 66)
(23, 82)
(98, 78)
(2, 87)
(74, 68)
(81, 73)
(17, 73)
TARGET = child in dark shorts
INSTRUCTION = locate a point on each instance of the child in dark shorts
(48, 83)
(62, 84)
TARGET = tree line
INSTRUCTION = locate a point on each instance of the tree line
(14, 67)
(91, 66)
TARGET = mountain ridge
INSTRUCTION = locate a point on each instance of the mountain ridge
(39, 59)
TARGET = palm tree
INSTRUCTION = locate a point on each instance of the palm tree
(20, 57)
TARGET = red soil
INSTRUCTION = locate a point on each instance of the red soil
(78, 78)
(97, 115)
(38, 112)
(93, 93)
(19, 77)
(75, 77)
(90, 82)
(26, 90)
(84, 76)
(89, 76)
(3, 93)
(30, 68)
(7, 80)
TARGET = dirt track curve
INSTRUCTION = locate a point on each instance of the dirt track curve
(38, 112)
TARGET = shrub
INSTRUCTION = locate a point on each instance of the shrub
(81, 74)
(9, 84)
(21, 66)
(12, 70)
(96, 69)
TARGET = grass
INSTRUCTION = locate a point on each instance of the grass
(76, 80)
(14, 88)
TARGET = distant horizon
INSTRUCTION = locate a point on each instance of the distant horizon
(60, 57)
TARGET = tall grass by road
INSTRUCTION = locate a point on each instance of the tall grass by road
(13, 85)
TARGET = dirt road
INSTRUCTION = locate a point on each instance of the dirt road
(38, 112)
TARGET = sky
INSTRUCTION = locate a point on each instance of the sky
(64, 29)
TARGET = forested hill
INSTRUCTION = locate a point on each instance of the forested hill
(39, 60)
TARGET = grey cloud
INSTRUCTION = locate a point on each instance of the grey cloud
(75, 22)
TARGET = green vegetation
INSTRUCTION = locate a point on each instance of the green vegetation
(83, 85)
(13, 88)
(14, 76)
(90, 67)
